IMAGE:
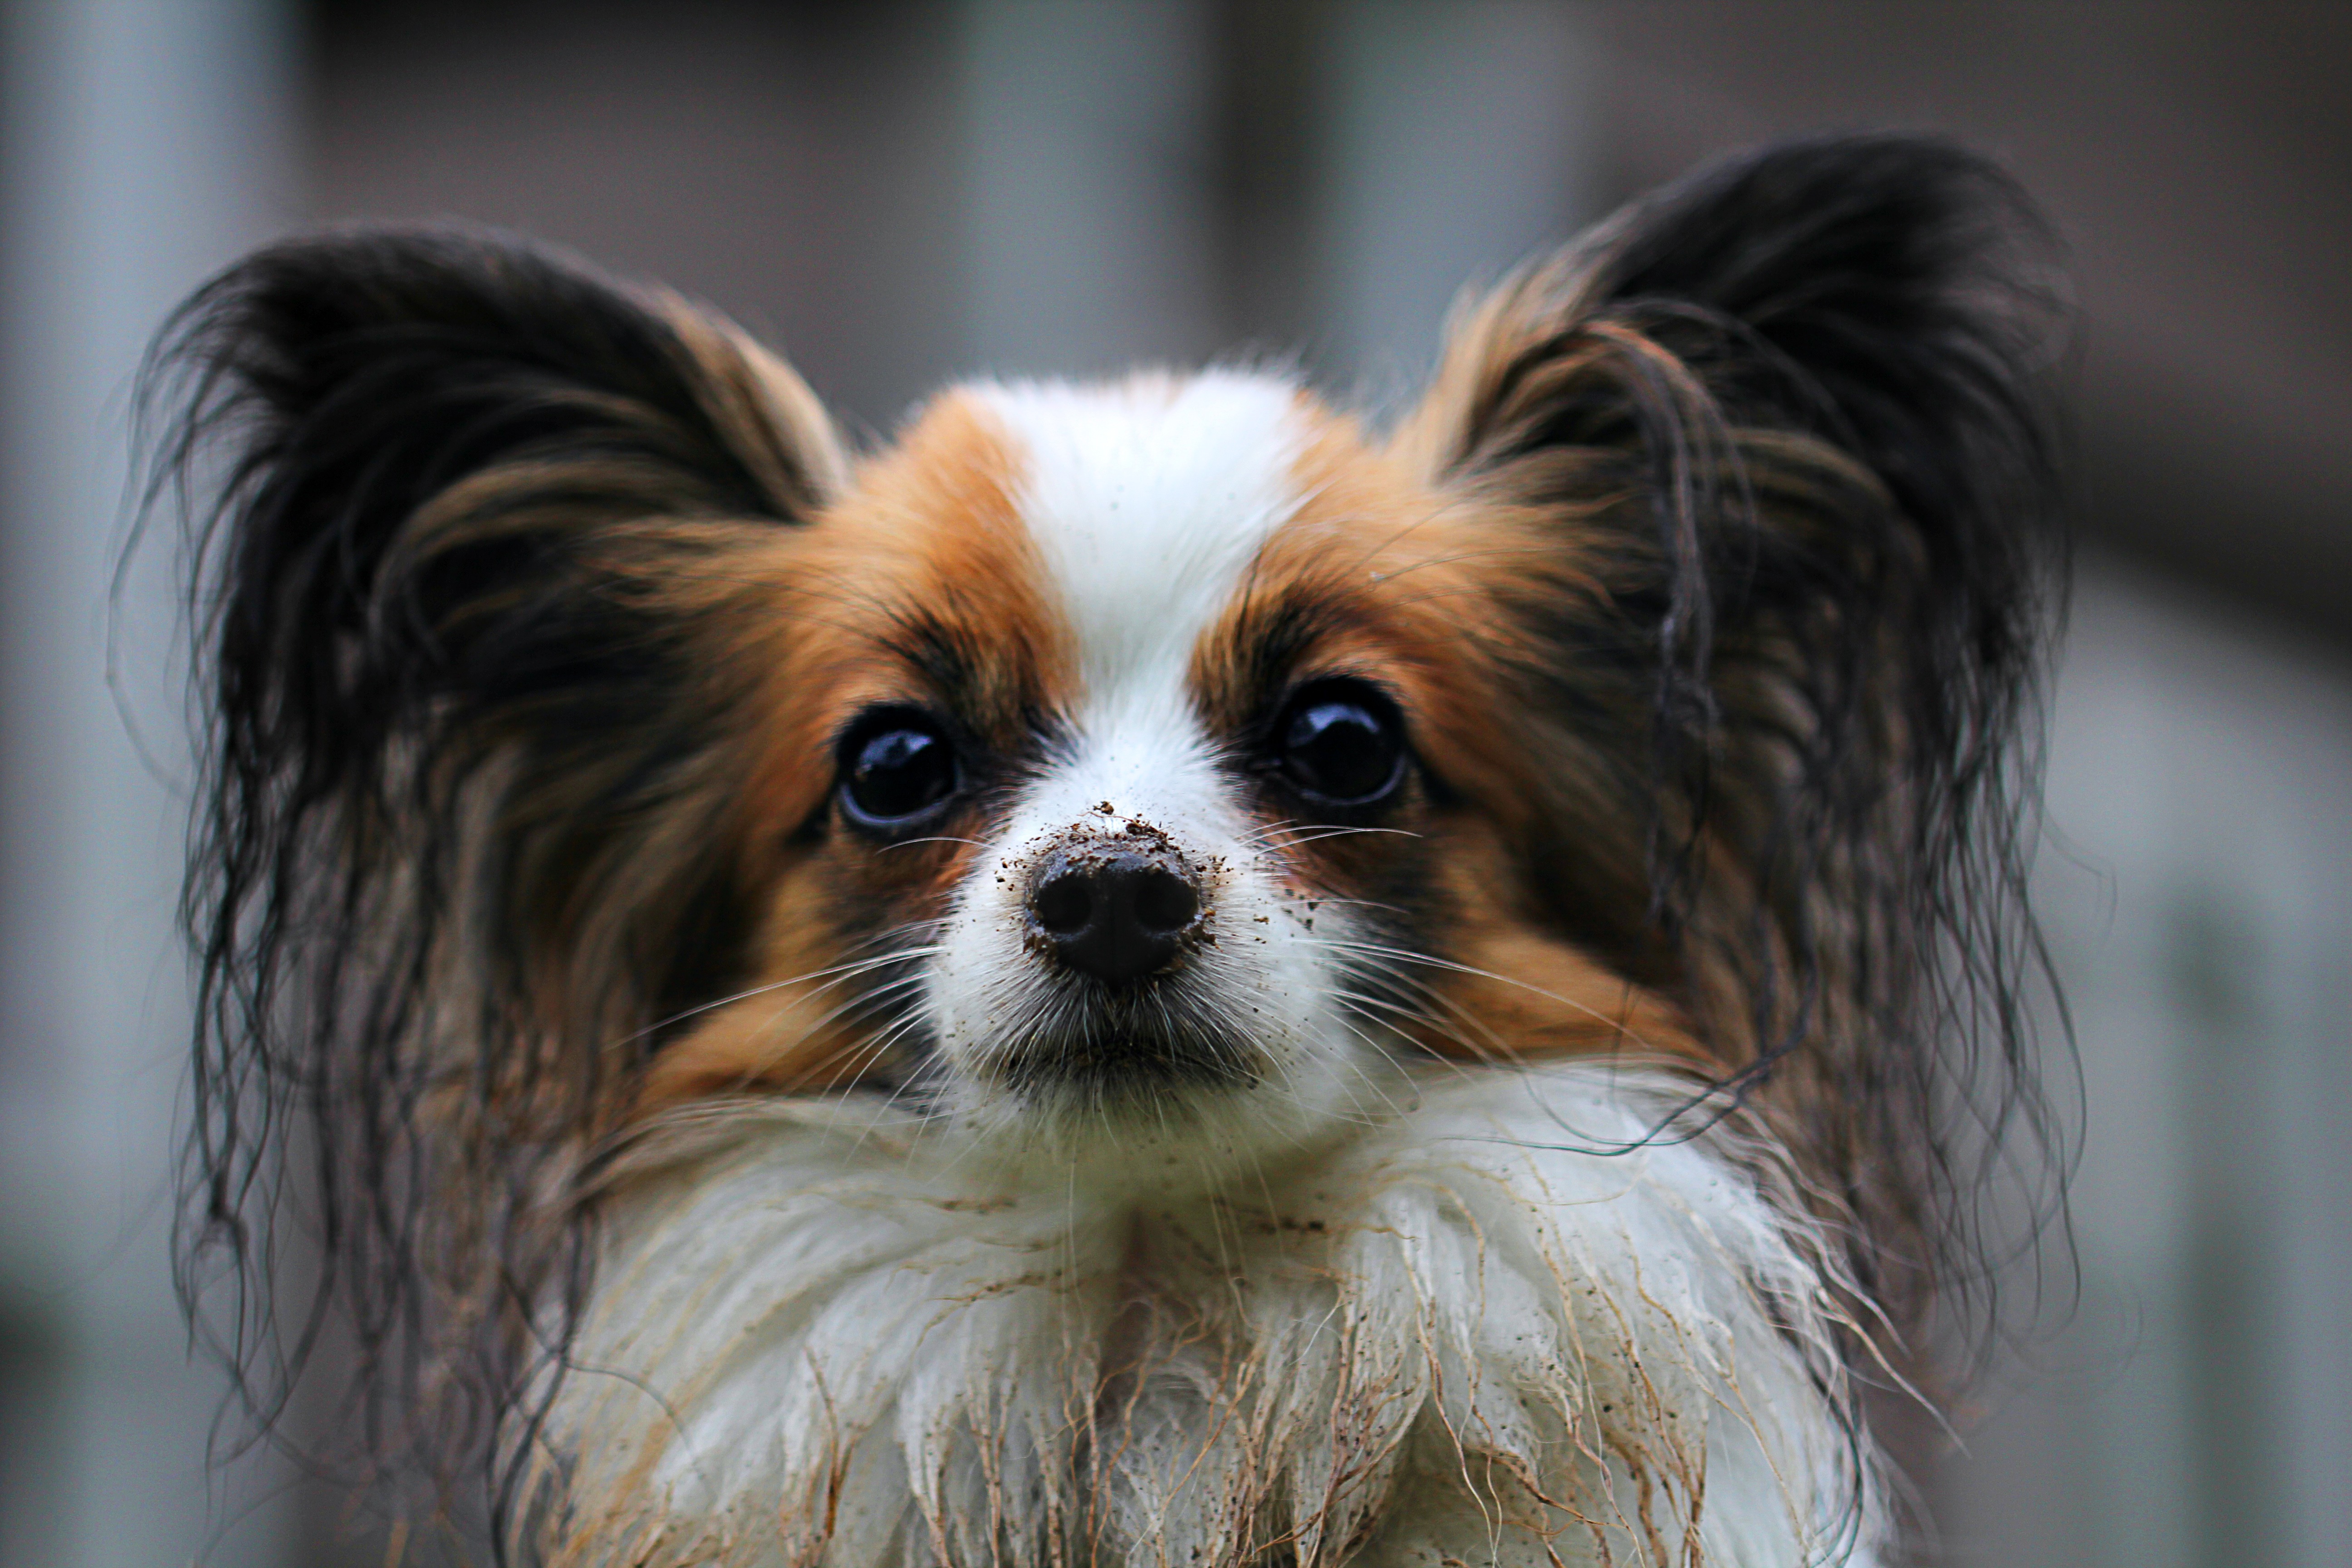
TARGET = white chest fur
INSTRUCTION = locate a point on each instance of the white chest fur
(1476, 1333)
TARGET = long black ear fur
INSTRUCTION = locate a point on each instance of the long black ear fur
(465, 770)
(1793, 415)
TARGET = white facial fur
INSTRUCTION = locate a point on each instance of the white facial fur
(1147, 502)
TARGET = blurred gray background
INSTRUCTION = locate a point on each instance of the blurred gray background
(896, 194)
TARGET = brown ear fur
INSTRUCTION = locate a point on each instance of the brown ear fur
(1790, 418)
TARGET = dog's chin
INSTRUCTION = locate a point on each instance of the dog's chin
(1098, 1084)
(1167, 1046)
(1125, 1065)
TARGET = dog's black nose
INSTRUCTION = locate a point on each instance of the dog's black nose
(1112, 913)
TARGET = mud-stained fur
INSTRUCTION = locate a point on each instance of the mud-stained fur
(1673, 1009)
(1467, 1337)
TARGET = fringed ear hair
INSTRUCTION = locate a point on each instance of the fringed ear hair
(470, 697)
(1789, 417)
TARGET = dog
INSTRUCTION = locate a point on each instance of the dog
(1152, 973)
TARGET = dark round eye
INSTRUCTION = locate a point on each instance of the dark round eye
(896, 767)
(1340, 743)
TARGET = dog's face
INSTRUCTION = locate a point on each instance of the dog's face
(1126, 752)
(1175, 765)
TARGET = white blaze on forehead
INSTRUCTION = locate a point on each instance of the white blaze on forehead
(1148, 500)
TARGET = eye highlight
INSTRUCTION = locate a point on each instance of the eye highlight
(1339, 742)
(898, 768)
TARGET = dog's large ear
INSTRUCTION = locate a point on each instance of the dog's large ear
(1790, 418)
(470, 666)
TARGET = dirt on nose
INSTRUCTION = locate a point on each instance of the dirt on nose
(1106, 841)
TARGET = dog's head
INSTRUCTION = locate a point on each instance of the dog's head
(1154, 761)
(1177, 762)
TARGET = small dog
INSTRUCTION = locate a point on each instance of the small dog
(1150, 973)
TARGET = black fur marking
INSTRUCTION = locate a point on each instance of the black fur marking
(466, 768)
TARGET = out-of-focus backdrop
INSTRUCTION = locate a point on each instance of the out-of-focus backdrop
(896, 193)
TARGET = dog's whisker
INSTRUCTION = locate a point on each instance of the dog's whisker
(838, 971)
(1617, 1024)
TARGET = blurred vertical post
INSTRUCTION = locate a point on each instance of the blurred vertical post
(1088, 196)
(2191, 1407)
(1138, 171)
(145, 142)
(1455, 141)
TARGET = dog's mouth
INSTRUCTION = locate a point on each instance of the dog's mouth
(1101, 1051)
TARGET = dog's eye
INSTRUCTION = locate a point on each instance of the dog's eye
(896, 767)
(1340, 743)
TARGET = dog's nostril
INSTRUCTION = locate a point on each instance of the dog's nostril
(1164, 901)
(1063, 903)
(1113, 914)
